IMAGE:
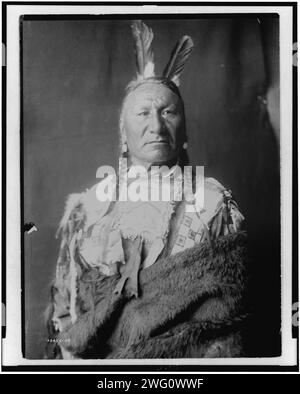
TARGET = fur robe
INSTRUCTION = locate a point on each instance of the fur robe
(191, 305)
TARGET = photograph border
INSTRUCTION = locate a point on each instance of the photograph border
(223, 365)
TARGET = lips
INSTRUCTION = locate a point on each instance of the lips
(158, 142)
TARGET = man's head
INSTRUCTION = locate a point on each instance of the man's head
(153, 124)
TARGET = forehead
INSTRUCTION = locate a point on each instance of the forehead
(151, 93)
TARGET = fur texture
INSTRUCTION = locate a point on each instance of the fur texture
(191, 305)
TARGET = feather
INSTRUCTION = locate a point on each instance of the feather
(178, 58)
(143, 36)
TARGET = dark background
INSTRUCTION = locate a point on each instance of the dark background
(74, 75)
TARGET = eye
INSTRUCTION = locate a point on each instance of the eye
(143, 113)
(168, 112)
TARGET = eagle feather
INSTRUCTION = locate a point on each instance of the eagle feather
(178, 58)
(143, 36)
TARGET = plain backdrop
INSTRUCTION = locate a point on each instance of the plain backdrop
(73, 77)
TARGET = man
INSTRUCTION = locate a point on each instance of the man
(152, 277)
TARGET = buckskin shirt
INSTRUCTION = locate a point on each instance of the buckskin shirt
(120, 239)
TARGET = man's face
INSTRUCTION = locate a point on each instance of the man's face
(154, 124)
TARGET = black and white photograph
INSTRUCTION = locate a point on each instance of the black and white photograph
(150, 160)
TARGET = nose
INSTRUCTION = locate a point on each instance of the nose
(156, 124)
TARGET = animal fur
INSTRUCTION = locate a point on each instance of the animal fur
(191, 305)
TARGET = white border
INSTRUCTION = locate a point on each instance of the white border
(12, 344)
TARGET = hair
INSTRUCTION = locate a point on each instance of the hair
(131, 87)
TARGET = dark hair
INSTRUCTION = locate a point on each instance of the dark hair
(159, 80)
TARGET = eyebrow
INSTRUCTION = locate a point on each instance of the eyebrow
(145, 104)
(140, 107)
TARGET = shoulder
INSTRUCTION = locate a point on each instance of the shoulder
(213, 190)
(82, 210)
(214, 185)
(219, 204)
(213, 195)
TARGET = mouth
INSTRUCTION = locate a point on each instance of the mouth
(163, 142)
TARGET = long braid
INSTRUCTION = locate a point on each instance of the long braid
(183, 158)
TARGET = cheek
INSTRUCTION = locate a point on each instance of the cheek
(130, 129)
(176, 129)
(132, 125)
(133, 134)
(135, 128)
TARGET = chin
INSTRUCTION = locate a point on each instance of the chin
(158, 156)
(161, 159)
